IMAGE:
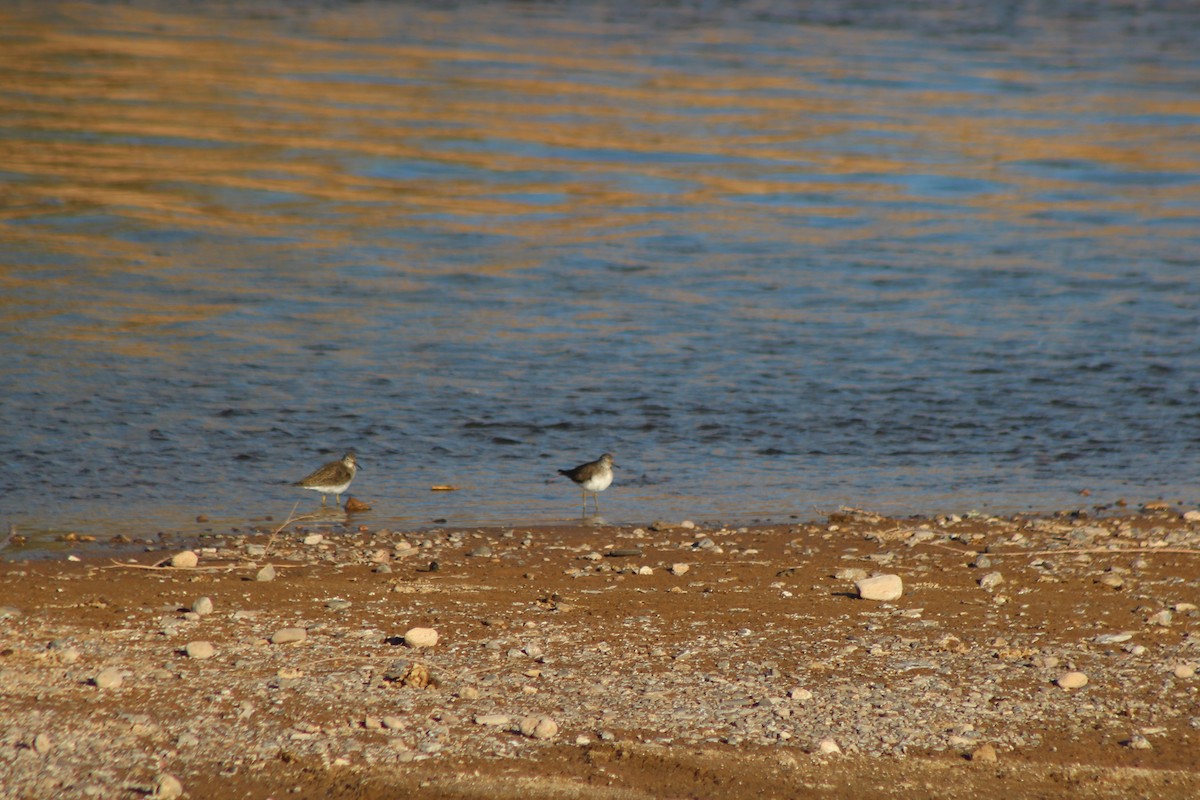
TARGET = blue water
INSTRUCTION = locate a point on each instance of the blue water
(914, 259)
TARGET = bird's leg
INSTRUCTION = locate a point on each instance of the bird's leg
(323, 496)
(596, 500)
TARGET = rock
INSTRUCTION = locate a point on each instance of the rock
(1191, 516)
(108, 679)
(185, 560)
(267, 573)
(483, 551)
(392, 723)
(468, 693)
(539, 727)
(803, 695)
(679, 569)
(850, 574)
(880, 587)
(202, 606)
(828, 747)
(313, 538)
(200, 650)
(289, 635)
(1162, 618)
(645, 571)
(991, 581)
(356, 506)
(493, 719)
(1137, 742)
(338, 604)
(1113, 638)
(167, 787)
(1072, 680)
(1185, 671)
(688, 524)
(42, 744)
(984, 754)
(421, 637)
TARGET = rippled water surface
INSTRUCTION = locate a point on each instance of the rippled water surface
(776, 259)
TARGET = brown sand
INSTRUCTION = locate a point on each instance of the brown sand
(720, 681)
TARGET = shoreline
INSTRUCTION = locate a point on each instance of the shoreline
(615, 661)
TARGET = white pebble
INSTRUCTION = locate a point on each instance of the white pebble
(493, 719)
(539, 727)
(267, 573)
(200, 650)
(289, 635)
(880, 587)
(185, 560)
(687, 523)
(827, 747)
(1191, 516)
(803, 695)
(991, 581)
(392, 723)
(1072, 680)
(108, 679)
(1162, 618)
(314, 538)
(202, 606)
(41, 744)
(679, 569)
(168, 787)
(1185, 671)
(645, 570)
(421, 637)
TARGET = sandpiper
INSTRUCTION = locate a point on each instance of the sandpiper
(333, 478)
(594, 476)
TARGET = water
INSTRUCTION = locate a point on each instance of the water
(917, 259)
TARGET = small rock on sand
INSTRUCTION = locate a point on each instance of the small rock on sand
(108, 679)
(185, 560)
(679, 569)
(200, 650)
(880, 587)
(1185, 671)
(202, 606)
(289, 635)
(539, 727)
(168, 787)
(267, 573)
(41, 744)
(827, 747)
(421, 637)
(1072, 680)
(493, 719)
(985, 754)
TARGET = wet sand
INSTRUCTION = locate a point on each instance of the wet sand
(615, 662)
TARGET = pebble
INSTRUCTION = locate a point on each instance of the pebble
(420, 637)
(985, 754)
(539, 727)
(493, 719)
(1185, 671)
(1137, 742)
(200, 650)
(679, 569)
(288, 635)
(803, 695)
(850, 574)
(108, 679)
(41, 744)
(313, 538)
(645, 571)
(202, 606)
(1162, 618)
(828, 746)
(880, 587)
(392, 723)
(1191, 516)
(1113, 638)
(338, 604)
(1072, 680)
(267, 573)
(688, 524)
(483, 551)
(168, 787)
(991, 581)
(185, 560)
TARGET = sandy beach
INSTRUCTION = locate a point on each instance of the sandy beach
(1033, 656)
